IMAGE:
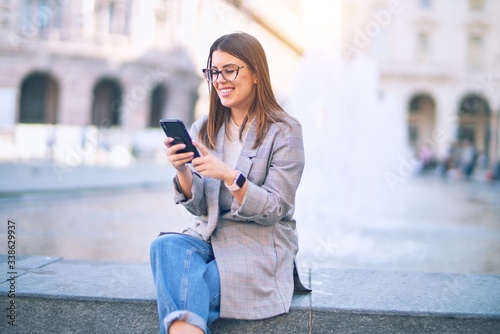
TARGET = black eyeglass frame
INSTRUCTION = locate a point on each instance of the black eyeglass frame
(215, 73)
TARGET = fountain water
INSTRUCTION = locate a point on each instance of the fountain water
(353, 135)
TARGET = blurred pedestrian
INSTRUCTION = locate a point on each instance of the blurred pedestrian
(450, 161)
(237, 261)
(468, 158)
(51, 141)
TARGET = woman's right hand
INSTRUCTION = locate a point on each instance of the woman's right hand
(177, 160)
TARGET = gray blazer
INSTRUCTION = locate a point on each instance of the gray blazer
(256, 242)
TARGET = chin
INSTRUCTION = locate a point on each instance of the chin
(226, 104)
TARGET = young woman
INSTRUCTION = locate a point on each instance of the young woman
(237, 260)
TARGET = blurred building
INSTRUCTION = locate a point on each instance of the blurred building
(442, 58)
(97, 71)
(81, 79)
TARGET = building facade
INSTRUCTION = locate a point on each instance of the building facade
(105, 71)
(441, 58)
(80, 65)
(82, 76)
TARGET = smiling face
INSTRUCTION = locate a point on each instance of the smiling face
(239, 93)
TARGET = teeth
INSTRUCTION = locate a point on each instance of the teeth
(225, 90)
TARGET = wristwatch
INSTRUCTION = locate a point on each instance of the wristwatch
(239, 181)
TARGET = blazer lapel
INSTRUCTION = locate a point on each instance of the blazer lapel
(244, 163)
(220, 142)
(213, 185)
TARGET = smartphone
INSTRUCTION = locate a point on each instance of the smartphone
(176, 129)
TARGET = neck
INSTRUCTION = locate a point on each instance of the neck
(238, 117)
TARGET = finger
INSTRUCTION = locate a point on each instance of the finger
(202, 148)
(197, 162)
(172, 149)
(183, 161)
(168, 141)
(200, 168)
(200, 165)
(202, 160)
(188, 156)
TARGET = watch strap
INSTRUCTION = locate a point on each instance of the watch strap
(239, 181)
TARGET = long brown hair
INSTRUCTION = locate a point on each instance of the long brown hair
(264, 108)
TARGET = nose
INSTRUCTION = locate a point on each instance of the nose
(220, 78)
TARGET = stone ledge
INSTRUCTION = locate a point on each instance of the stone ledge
(55, 295)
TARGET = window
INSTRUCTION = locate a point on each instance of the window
(5, 14)
(476, 4)
(112, 18)
(42, 15)
(112, 21)
(475, 51)
(425, 3)
(423, 46)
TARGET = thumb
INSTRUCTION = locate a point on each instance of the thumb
(201, 148)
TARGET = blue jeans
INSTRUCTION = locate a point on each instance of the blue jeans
(186, 279)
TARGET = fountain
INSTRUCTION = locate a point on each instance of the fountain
(353, 136)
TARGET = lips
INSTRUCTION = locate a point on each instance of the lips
(223, 92)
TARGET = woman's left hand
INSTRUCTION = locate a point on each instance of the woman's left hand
(209, 165)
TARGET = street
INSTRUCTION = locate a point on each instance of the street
(427, 225)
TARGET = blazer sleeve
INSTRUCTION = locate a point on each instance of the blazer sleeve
(274, 200)
(198, 204)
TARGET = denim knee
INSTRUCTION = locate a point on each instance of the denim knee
(180, 241)
(163, 242)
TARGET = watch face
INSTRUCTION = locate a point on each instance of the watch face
(240, 181)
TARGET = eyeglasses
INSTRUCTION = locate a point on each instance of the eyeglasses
(229, 73)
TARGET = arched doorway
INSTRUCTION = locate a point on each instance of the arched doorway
(474, 123)
(421, 119)
(107, 100)
(39, 99)
(157, 105)
(421, 125)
